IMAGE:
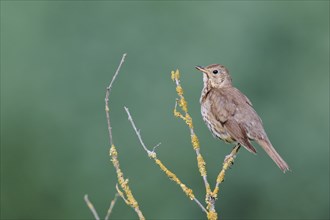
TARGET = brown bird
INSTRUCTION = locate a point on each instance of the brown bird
(229, 114)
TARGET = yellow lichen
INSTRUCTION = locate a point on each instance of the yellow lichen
(130, 200)
(221, 176)
(173, 177)
(172, 75)
(188, 121)
(208, 190)
(175, 75)
(179, 90)
(201, 165)
(183, 105)
(188, 191)
(178, 114)
(195, 141)
(212, 215)
(214, 194)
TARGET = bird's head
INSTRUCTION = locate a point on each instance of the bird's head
(215, 75)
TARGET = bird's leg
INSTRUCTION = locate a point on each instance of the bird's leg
(233, 153)
(236, 149)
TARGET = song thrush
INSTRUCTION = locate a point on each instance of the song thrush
(229, 114)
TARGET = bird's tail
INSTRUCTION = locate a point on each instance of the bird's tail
(270, 150)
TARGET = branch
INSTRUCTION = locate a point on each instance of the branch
(211, 196)
(107, 94)
(138, 133)
(91, 207)
(127, 194)
(175, 75)
(227, 163)
(130, 200)
(112, 204)
(152, 154)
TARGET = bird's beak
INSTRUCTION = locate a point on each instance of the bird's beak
(200, 68)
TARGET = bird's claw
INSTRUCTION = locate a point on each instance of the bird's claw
(228, 157)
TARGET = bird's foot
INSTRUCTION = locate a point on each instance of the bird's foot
(230, 158)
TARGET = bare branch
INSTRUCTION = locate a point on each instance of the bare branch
(138, 132)
(154, 148)
(112, 204)
(117, 71)
(91, 207)
(107, 94)
(200, 205)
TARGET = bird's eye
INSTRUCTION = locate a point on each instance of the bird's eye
(215, 71)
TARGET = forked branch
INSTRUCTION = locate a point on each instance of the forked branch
(126, 192)
(210, 196)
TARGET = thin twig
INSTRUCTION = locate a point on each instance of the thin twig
(117, 71)
(91, 207)
(227, 163)
(112, 204)
(138, 132)
(107, 94)
(192, 134)
(126, 194)
(200, 205)
(123, 183)
(152, 154)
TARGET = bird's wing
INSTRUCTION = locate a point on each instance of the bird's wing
(222, 105)
(224, 109)
(239, 134)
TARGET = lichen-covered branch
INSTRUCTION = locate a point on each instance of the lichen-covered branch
(175, 75)
(126, 194)
(227, 163)
(123, 189)
(152, 154)
(210, 196)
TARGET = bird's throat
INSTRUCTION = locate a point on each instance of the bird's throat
(206, 88)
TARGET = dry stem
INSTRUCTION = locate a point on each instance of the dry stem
(107, 94)
(130, 200)
(127, 194)
(112, 204)
(91, 207)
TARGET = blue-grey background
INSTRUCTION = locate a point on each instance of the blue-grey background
(57, 58)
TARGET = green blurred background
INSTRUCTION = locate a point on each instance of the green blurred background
(58, 57)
